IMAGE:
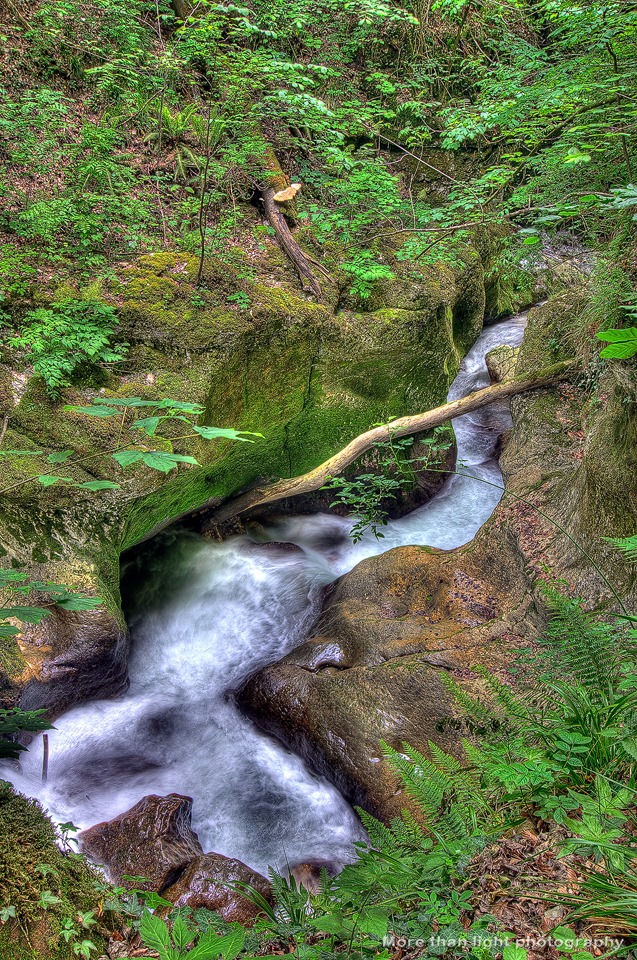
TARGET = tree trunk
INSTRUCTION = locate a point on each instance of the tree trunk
(181, 9)
(405, 426)
(300, 259)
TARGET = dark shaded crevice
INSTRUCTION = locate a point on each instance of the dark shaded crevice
(313, 360)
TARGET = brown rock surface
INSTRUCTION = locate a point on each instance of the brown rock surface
(204, 883)
(72, 657)
(153, 839)
(501, 363)
(371, 671)
(371, 668)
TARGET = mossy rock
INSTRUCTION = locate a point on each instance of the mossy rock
(307, 379)
(30, 864)
(549, 334)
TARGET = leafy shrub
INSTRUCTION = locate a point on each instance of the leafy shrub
(365, 272)
(61, 337)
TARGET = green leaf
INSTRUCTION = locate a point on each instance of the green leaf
(133, 402)
(126, 457)
(211, 945)
(373, 921)
(27, 614)
(630, 746)
(76, 602)
(99, 485)
(60, 456)
(155, 935)
(513, 953)
(148, 425)
(623, 343)
(211, 433)
(332, 923)
(167, 403)
(563, 936)
(96, 411)
(157, 460)
(47, 480)
(47, 899)
(6, 630)
(13, 575)
(181, 934)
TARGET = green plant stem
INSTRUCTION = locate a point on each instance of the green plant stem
(93, 456)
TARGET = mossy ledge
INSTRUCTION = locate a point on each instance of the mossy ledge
(308, 376)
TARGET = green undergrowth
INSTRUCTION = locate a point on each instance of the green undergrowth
(554, 755)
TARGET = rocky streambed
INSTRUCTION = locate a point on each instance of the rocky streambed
(332, 648)
(207, 615)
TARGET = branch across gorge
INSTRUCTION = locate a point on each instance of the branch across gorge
(402, 427)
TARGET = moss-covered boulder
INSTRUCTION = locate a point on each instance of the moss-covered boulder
(46, 888)
(256, 355)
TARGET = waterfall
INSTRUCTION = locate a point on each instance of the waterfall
(209, 614)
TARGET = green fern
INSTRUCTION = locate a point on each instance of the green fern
(627, 545)
(380, 837)
(443, 789)
(589, 650)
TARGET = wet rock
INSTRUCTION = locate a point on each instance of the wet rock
(501, 363)
(308, 874)
(204, 883)
(372, 671)
(393, 627)
(153, 839)
(72, 657)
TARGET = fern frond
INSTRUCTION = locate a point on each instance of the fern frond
(473, 706)
(589, 649)
(464, 784)
(380, 836)
(504, 697)
(422, 780)
(627, 545)
(413, 831)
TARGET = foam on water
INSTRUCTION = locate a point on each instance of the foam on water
(208, 615)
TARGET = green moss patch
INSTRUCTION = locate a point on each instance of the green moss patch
(31, 863)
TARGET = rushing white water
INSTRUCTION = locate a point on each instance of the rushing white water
(210, 614)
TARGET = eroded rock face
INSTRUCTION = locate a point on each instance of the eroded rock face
(204, 883)
(371, 669)
(153, 839)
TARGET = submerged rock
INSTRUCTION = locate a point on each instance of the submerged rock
(153, 840)
(205, 883)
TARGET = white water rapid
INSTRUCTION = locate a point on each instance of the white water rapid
(208, 615)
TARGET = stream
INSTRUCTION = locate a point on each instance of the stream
(207, 615)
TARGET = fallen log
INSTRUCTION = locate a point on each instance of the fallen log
(402, 427)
